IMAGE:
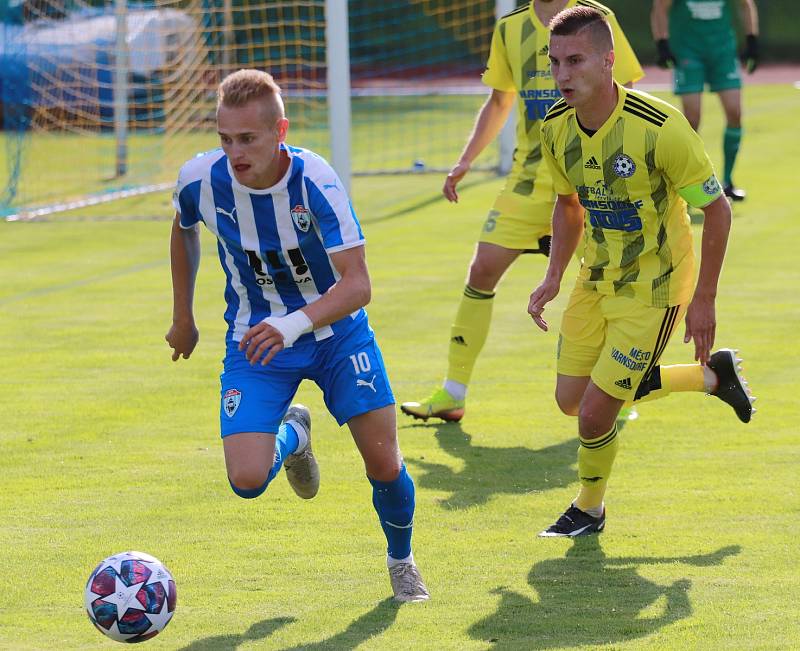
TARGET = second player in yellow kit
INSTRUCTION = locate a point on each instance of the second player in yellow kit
(518, 72)
(519, 63)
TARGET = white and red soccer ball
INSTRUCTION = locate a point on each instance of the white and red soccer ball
(130, 597)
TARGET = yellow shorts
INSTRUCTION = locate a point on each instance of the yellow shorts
(517, 221)
(615, 340)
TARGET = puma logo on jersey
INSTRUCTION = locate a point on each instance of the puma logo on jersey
(330, 186)
(231, 214)
(364, 383)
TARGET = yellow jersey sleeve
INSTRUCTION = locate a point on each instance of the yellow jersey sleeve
(681, 154)
(498, 72)
(627, 68)
(561, 184)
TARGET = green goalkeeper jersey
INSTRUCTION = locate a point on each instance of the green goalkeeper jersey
(701, 23)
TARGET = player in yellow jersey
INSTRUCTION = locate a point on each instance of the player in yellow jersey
(624, 165)
(518, 70)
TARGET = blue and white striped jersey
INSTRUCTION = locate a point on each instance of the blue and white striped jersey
(274, 244)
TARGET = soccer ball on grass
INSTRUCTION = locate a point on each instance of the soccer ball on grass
(130, 597)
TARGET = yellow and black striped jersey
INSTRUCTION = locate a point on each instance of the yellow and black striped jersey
(633, 177)
(519, 62)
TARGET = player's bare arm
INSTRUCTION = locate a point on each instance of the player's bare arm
(701, 320)
(185, 260)
(567, 232)
(659, 24)
(659, 18)
(749, 55)
(491, 118)
(749, 15)
(351, 292)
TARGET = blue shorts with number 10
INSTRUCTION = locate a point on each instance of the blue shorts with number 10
(348, 368)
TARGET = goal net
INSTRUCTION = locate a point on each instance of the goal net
(415, 77)
(103, 99)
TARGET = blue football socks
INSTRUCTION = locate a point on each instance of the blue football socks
(394, 503)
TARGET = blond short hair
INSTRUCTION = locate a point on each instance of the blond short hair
(248, 85)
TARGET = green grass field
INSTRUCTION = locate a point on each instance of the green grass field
(106, 445)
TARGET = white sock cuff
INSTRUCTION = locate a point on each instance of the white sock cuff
(302, 435)
(391, 562)
(596, 512)
(456, 389)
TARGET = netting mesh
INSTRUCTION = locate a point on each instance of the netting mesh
(415, 71)
(59, 108)
(417, 78)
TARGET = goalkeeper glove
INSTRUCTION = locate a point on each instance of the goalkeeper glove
(666, 59)
(749, 55)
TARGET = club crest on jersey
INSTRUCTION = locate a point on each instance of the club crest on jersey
(301, 217)
(230, 401)
(711, 186)
(623, 166)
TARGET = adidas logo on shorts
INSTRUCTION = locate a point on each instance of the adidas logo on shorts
(625, 384)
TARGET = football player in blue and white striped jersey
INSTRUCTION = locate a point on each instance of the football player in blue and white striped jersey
(293, 255)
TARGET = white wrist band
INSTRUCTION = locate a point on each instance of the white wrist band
(290, 326)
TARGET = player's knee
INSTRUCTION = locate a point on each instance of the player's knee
(567, 403)
(483, 274)
(384, 470)
(248, 484)
(592, 424)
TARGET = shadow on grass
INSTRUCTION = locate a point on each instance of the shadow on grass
(490, 471)
(429, 199)
(257, 631)
(369, 625)
(588, 598)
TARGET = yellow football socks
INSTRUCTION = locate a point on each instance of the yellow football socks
(676, 378)
(468, 333)
(595, 458)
